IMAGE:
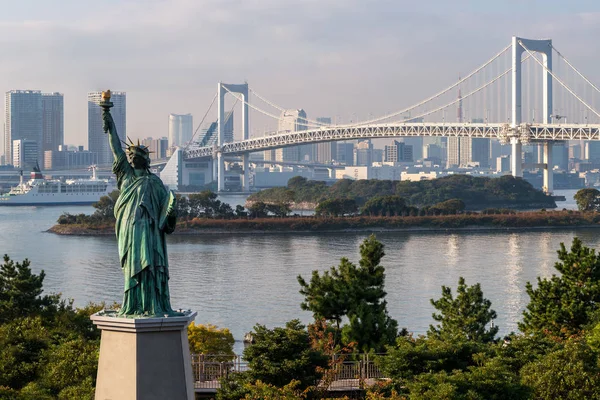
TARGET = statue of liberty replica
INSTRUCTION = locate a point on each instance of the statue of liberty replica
(145, 213)
(144, 349)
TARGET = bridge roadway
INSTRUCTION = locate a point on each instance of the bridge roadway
(524, 133)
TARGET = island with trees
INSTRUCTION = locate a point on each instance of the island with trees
(203, 213)
(477, 193)
(49, 349)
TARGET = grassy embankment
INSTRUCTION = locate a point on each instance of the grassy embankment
(522, 220)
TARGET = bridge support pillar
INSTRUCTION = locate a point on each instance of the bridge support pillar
(220, 172)
(516, 159)
(246, 165)
(215, 167)
(548, 185)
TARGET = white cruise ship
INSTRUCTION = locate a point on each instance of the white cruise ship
(45, 192)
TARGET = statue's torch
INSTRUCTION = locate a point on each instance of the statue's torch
(106, 104)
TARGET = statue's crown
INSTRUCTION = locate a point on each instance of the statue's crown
(138, 148)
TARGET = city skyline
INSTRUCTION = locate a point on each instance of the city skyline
(331, 61)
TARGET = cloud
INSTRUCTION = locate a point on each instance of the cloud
(331, 57)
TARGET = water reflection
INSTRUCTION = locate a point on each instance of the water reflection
(236, 281)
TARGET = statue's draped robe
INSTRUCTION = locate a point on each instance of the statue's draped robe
(142, 221)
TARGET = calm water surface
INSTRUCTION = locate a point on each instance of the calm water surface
(235, 281)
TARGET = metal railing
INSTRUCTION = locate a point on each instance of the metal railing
(347, 372)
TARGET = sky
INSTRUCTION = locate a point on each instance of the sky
(339, 58)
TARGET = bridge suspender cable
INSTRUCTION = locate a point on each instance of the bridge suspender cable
(480, 88)
(282, 109)
(395, 114)
(559, 81)
(260, 110)
(575, 69)
(201, 122)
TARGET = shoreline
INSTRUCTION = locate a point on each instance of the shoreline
(78, 231)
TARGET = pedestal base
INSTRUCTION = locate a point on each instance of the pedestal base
(145, 358)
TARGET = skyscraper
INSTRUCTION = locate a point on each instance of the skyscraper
(181, 129)
(53, 133)
(325, 152)
(97, 139)
(293, 121)
(23, 120)
(398, 152)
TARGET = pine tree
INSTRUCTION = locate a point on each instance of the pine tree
(463, 317)
(356, 293)
(20, 291)
(563, 305)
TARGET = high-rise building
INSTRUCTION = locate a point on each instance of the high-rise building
(345, 153)
(292, 121)
(181, 129)
(97, 139)
(53, 132)
(363, 153)
(23, 120)
(25, 154)
(326, 152)
(398, 152)
(480, 151)
(158, 147)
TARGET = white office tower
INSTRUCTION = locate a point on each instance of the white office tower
(292, 121)
(97, 139)
(53, 131)
(181, 129)
(23, 120)
(25, 154)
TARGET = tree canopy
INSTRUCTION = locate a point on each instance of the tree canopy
(588, 199)
(465, 317)
(355, 292)
(474, 192)
(563, 305)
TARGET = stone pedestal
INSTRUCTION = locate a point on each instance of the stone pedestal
(144, 358)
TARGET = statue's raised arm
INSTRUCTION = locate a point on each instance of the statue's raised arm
(109, 125)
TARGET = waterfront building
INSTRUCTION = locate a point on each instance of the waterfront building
(23, 120)
(65, 158)
(158, 147)
(181, 129)
(53, 131)
(97, 140)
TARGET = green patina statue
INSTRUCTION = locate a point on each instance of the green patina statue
(145, 213)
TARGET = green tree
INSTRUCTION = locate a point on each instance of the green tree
(105, 207)
(357, 293)
(279, 209)
(277, 357)
(464, 317)
(384, 206)
(257, 209)
(588, 199)
(452, 206)
(336, 207)
(563, 305)
(571, 372)
(183, 206)
(211, 340)
(21, 291)
(240, 211)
